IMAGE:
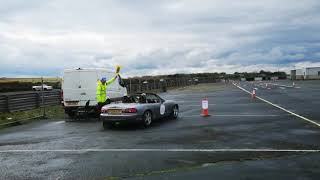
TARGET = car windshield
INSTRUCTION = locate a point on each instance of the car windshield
(137, 98)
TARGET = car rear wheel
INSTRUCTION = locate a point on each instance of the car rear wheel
(147, 119)
(175, 112)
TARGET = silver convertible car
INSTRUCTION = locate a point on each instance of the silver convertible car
(141, 108)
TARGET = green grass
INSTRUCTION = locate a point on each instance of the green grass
(52, 112)
(55, 112)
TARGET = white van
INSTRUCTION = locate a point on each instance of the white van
(79, 87)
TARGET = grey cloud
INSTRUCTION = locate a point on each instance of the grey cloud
(158, 36)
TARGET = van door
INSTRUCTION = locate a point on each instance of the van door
(87, 87)
(70, 85)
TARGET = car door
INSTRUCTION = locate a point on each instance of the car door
(154, 104)
(166, 106)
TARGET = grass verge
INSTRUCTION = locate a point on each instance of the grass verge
(20, 117)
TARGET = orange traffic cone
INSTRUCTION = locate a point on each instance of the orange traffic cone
(205, 107)
(253, 95)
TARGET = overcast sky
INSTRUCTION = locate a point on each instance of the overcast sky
(39, 37)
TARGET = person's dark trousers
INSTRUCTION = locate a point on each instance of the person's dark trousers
(101, 104)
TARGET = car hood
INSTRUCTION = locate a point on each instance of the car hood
(170, 101)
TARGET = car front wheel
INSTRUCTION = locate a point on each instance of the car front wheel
(175, 112)
(147, 119)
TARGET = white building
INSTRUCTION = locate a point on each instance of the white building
(258, 78)
(306, 73)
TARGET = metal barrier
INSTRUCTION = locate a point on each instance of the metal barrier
(16, 101)
(145, 85)
(11, 102)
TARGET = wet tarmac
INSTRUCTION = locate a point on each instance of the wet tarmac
(55, 149)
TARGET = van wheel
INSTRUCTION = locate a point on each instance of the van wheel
(70, 116)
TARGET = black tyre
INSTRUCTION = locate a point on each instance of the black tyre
(70, 116)
(175, 112)
(107, 125)
(147, 119)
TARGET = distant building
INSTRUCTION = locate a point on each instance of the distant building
(305, 73)
(288, 76)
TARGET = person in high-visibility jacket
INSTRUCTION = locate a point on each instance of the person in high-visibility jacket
(101, 94)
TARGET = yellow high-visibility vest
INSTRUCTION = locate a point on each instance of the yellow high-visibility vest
(101, 94)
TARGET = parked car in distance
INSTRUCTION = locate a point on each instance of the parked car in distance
(142, 108)
(39, 88)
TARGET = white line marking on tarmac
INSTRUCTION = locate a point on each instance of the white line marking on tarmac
(297, 115)
(158, 150)
(197, 105)
(281, 85)
(236, 115)
(59, 122)
(188, 101)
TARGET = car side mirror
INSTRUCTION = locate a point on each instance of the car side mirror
(162, 101)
